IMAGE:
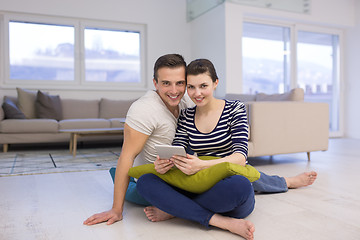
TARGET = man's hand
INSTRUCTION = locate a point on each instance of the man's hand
(163, 165)
(109, 217)
(188, 165)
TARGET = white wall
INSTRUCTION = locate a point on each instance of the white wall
(208, 41)
(352, 79)
(233, 39)
(213, 37)
(167, 29)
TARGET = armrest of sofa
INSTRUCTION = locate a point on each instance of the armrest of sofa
(288, 127)
(2, 114)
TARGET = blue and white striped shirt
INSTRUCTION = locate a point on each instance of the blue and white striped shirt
(229, 136)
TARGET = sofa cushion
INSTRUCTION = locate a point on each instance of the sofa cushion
(29, 126)
(296, 94)
(11, 111)
(79, 109)
(48, 106)
(114, 108)
(84, 123)
(2, 114)
(241, 97)
(13, 98)
(26, 102)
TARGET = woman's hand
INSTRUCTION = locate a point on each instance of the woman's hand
(188, 165)
(162, 166)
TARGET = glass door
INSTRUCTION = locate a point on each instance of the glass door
(317, 70)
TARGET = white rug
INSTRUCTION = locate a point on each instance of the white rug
(54, 161)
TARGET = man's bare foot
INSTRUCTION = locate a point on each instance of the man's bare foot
(241, 227)
(302, 180)
(156, 215)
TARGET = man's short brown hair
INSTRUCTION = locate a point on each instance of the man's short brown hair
(170, 61)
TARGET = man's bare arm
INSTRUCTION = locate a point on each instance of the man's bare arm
(133, 143)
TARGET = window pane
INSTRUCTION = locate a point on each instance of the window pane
(112, 56)
(266, 58)
(317, 70)
(41, 51)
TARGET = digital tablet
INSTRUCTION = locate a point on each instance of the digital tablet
(167, 151)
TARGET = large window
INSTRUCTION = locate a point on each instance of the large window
(44, 50)
(266, 59)
(314, 65)
(41, 51)
(112, 56)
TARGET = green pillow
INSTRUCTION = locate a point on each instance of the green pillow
(200, 181)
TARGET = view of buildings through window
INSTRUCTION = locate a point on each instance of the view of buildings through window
(317, 70)
(41, 52)
(112, 56)
(266, 62)
(48, 52)
(267, 66)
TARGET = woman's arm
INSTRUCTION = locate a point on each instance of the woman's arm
(193, 164)
(239, 128)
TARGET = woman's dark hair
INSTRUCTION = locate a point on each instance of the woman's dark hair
(169, 61)
(200, 66)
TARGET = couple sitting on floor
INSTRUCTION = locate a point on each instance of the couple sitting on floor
(213, 127)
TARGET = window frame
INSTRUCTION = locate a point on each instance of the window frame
(340, 77)
(37, 20)
(79, 52)
(294, 29)
(288, 79)
(112, 26)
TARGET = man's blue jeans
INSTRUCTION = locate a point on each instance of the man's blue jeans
(132, 194)
(270, 184)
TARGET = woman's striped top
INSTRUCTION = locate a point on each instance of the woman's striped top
(229, 136)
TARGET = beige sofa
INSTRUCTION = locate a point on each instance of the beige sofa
(284, 123)
(76, 114)
(279, 123)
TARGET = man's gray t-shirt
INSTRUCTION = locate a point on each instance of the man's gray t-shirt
(149, 115)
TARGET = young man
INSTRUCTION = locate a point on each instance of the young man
(152, 120)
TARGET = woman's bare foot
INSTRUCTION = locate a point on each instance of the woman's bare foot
(301, 180)
(156, 215)
(241, 227)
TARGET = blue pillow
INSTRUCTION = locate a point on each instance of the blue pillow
(11, 111)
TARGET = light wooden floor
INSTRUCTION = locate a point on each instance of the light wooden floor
(53, 206)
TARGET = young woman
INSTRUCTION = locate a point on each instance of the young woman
(214, 127)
